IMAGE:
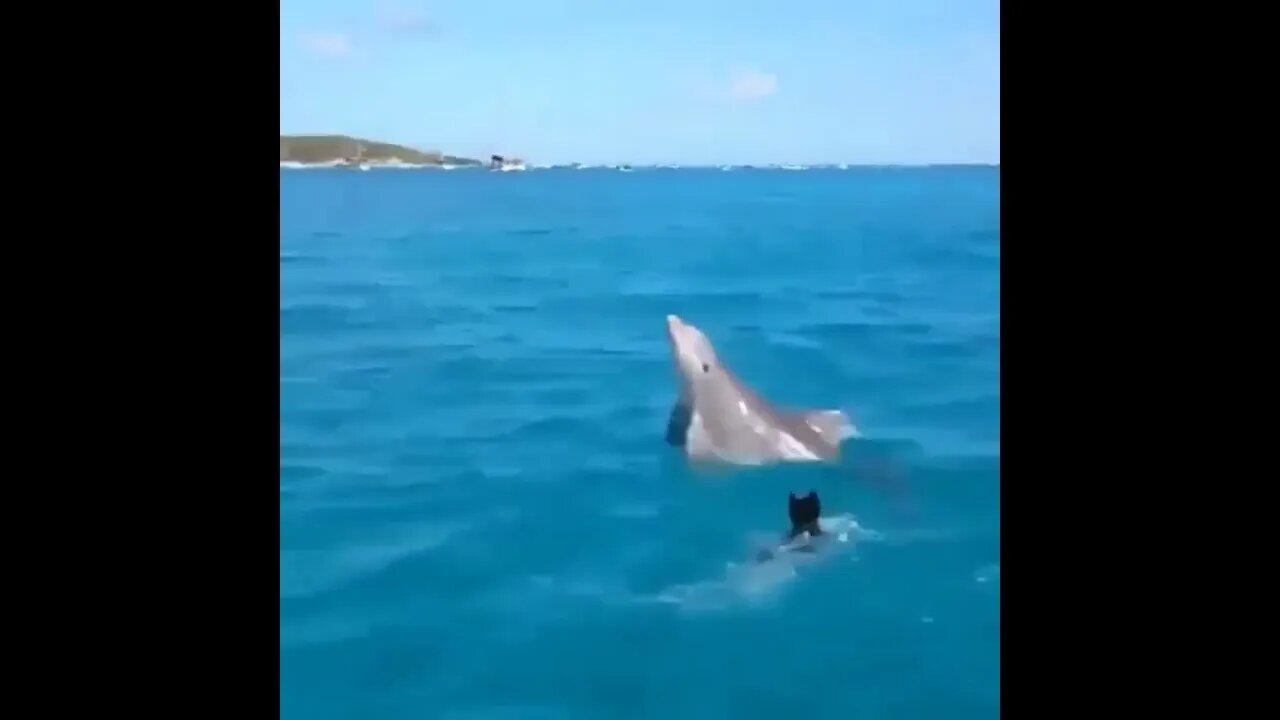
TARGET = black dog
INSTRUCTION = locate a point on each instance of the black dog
(804, 513)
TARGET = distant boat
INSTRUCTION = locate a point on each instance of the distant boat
(497, 162)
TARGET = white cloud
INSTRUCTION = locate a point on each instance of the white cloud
(328, 44)
(750, 85)
(404, 19)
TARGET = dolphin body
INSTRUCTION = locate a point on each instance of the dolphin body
(719, 419)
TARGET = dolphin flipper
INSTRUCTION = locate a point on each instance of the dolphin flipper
(678, 424)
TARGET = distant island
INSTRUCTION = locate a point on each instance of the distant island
(345, 151)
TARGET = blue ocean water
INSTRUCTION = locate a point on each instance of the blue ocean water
(479, 517)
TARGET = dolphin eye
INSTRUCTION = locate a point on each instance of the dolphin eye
(706, 367)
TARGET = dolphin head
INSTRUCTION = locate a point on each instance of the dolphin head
(693, 353)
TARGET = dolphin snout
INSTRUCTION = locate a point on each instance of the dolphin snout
(674, 328)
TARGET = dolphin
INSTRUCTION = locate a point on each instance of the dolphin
(717, 418)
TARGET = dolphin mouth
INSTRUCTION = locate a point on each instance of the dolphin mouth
(675, 328)
(676, 337)
(673, 324)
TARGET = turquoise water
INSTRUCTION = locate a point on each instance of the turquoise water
(479, 517)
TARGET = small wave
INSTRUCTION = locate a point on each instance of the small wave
(515, 308)
(750, 583)
(307, 573)
(287, 258)
(913, 537)
(634, 511)
(507, 711)
(987, 573)
(863, 330)
(309, 632)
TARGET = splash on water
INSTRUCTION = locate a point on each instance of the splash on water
(770, 567)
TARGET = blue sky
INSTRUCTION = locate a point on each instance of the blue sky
(650, 81)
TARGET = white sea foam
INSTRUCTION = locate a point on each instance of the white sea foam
(760, 578)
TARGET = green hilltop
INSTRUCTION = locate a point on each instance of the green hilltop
(314, 149)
